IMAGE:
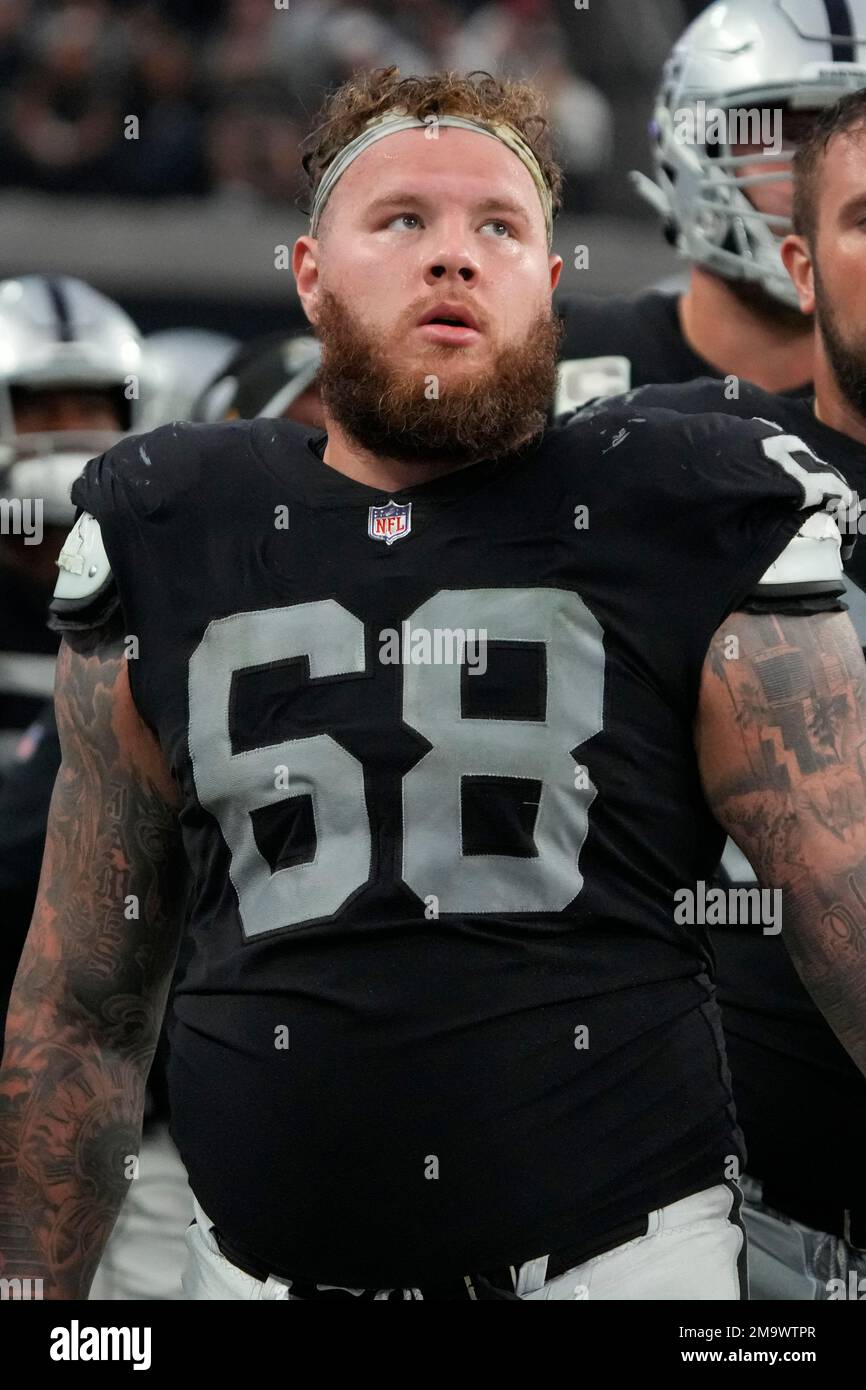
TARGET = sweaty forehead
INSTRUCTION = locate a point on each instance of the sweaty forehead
(460, 164)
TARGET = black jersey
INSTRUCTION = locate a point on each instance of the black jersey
(439, 789)
(797, 1091)
(794, 413)
(613, 344)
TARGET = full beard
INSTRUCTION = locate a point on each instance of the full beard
(414, 416)
(847, 359)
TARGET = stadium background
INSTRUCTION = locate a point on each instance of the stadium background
(180, 223)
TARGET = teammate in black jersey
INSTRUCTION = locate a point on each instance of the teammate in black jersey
(740, 319)
(437, 706)
(800, 1100)
(724, 206)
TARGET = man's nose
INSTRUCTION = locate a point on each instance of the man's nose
(452, 259)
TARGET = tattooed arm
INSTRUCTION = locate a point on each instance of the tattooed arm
(92, 984)
(781, 742)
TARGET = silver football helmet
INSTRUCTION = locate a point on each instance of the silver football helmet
(262, 380)
(742, 56)
(182, 362)
(58, 332)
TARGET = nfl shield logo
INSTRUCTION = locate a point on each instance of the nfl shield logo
(390, 523)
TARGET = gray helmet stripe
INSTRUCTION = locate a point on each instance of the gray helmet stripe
(842, 44)
(57, 295)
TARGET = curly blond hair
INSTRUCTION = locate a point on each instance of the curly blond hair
(476, 95)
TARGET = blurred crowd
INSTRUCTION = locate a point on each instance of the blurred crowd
(152, 98)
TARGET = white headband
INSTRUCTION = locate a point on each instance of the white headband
(392, 122)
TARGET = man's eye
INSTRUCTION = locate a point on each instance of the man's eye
(502, 228)
(403, 218)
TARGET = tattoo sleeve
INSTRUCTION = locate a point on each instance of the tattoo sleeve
(92, 984)
(781, 741)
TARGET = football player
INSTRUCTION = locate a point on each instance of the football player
(76, 378)
(69, 383)
(273, 377)
(801, 1102)
(749, 76)
(430, 703)
(182, 362)
(68, 372)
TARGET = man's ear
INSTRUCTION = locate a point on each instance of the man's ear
(555, 271)
(305, 265)
(797, 259)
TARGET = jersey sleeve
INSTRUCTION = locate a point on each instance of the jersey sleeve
(736, 398)
(798, 507)
(118, 497)
(143, 475)
(807, 563)
(705, 511)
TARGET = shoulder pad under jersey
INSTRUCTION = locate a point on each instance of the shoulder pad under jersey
(85, 585)
(811, 560)
(808, 572)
